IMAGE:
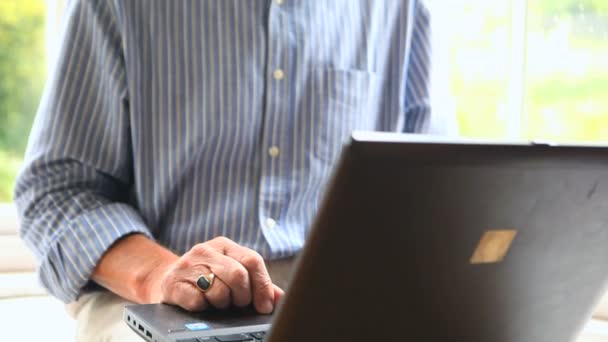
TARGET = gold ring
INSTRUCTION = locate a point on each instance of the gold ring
(204, 283)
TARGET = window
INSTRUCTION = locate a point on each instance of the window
(535, 69)
(567, 70)
(479, 43)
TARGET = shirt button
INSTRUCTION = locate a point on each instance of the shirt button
(278, 74)
(270, 223)
(273, 151)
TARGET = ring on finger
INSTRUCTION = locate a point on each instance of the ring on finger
(204, 282)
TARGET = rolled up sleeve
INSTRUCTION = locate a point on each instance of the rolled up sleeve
(73, 192)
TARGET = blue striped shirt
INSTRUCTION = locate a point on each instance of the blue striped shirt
(187, 120)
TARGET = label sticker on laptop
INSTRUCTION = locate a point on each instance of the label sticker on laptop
(197, 326)
(493, 246)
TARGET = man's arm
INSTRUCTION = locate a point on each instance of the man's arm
(130, 266)
(73, 190)
(142, 271)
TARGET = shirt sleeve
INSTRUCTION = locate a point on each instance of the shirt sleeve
(420, 115)
(73, 192)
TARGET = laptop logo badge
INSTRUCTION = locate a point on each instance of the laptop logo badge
(197, 326)
(493, 246)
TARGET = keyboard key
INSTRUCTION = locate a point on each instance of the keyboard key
(235, 338)
(188, 340)
(259, 335)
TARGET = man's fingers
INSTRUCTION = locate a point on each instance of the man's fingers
(242, 270)
(263, 296)
(182, 290)
(234, 275)
(185, 295)
(218, 294)
(262, 287)
(278, 294)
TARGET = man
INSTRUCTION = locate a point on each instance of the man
(179, 144)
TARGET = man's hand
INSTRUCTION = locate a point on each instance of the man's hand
(241, 278)
(140, 270)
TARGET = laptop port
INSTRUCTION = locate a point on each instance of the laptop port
(149, 334)
(141, 328)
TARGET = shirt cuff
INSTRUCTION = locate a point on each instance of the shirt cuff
(418, 118)
(78, 247)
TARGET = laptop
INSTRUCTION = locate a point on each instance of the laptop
(435, 241)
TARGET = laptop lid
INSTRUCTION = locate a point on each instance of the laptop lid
(435, 240)
(453, 242)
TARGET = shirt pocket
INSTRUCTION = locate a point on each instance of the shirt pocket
(345, 100)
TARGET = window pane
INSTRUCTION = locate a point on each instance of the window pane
(480, 44)
(567, 70)
(22, 73)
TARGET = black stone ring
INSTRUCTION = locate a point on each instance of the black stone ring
(204, 283)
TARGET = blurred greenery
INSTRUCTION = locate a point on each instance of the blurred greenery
(568, 100)
(566, 85)
(22, 73)
(9, 165)
(568, 6)
(569, 109)
(566, 91)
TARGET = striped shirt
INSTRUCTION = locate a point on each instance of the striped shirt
(185, 120)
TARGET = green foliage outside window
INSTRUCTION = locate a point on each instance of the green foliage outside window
(567, 72)
(22, 73)
(566, 83)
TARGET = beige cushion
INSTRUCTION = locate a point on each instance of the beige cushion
(15, 285)
(8, 219)
(14, 256)
(601, 311)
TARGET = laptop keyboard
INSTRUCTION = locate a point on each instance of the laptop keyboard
(252, 337)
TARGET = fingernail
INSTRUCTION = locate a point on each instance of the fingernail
(267, 307)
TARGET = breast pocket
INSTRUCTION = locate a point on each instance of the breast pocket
(346, 100)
